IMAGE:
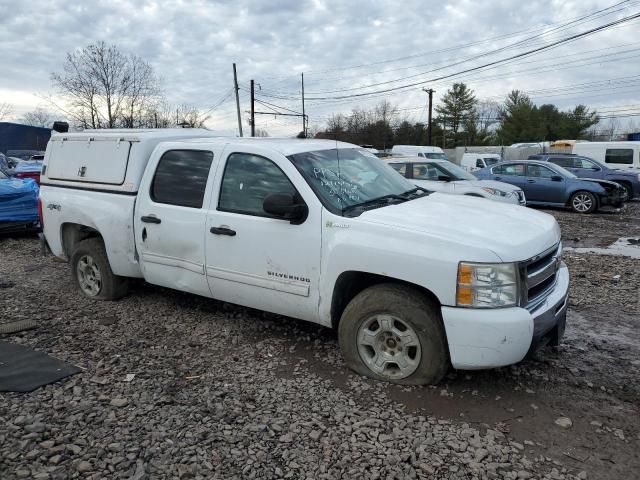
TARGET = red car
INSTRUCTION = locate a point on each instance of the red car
(29, 168)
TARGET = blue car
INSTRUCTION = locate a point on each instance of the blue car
(18, 205)
(547, 184)
(584, 167)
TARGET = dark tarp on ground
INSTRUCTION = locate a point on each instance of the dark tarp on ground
(18, 200)
(22, 369)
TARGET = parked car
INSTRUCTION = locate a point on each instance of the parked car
(18, 205)
(623, 155)
(446, 177)
(584, 167)
(314, 229)
(548, 184)
(28, 169)
(419, 151)
(475, 161)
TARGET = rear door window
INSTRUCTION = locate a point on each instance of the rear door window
(515, 169)
(565, 162)
(623, 156)
(181, 178)
(401, 168)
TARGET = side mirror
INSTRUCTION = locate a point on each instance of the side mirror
(444, 178)
(287, 207)
(556, 178)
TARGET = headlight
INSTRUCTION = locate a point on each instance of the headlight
(487, 285)
(639, 177)
(495, 191)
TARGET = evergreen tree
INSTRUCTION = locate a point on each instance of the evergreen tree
(457, 105)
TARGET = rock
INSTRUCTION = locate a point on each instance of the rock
(84, 466)
(75, 449)
(119, 402)
(315, 434)
(106, 321)
(595, 423)
(564, 422)
(35, 428)
(523, 474)
(287, 438)
(582, 475)
(55, 460)
(481, 454)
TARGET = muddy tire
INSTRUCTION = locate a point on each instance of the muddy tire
(92, 273)
(629, 189)
(583, 202)
(394, 333)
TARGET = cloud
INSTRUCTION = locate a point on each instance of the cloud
(338, 45)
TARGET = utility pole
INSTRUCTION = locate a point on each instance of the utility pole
(253, 110)
(304, 117)
(430, 92)
(235, 86)
(444, 131)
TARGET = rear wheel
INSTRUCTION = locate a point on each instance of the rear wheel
(92, 273)
(584, 202)
(394, 333)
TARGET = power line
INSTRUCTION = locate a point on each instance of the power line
(571, 38)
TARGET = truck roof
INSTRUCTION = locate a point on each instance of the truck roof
(286, 146)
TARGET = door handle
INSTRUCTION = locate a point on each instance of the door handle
(223, 231)
(531, 181)
(498, 178)
(150, 219)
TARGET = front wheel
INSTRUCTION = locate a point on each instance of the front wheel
(629, 189)
(92, 273)
(583, 202)
(394, 333)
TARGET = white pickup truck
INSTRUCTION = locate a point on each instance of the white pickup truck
(314, 229)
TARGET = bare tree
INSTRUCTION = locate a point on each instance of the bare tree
(38, 118)
(190, 117)
(105, 87)
(141, 94)
(6, 110)
(487, 112)
(612, 128)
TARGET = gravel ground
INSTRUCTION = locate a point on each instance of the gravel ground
(177, 386)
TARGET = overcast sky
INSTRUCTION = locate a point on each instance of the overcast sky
(341, 46)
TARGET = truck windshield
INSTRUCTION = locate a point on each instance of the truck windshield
(345, 178)
(490, 160)
(436, 156)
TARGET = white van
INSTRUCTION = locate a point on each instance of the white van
(435, 153)
(475, 161)
(621, 155)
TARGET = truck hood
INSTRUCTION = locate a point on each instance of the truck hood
(505, 187)
(511, 232)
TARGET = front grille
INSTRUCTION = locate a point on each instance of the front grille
(539, 277)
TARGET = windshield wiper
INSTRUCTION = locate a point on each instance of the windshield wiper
(374, 201)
